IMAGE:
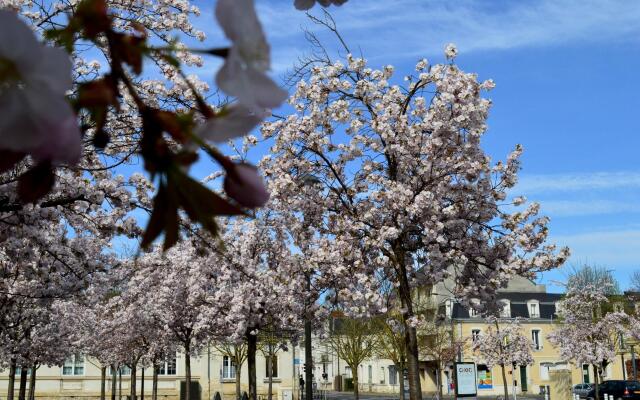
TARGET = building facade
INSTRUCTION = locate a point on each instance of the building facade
(212, 372)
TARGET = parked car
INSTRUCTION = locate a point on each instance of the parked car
(618, 389)
(582, 389)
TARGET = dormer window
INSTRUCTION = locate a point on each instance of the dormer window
(533, 306)
(448, 308)
(473, 312)
(505, 312)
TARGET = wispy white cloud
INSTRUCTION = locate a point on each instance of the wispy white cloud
(533, 184)
(419, 27)
(615, 248)
(583, 208)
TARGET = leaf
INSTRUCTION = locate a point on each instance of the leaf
(157, 221)
(202, 198)
(36, 183)
(98, 93)
(172, 124)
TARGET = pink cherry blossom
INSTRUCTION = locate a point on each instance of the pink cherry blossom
(37, 118)
(246, 186)
(235, 121)
(243, 73)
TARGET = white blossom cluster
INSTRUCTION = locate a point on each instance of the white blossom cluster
(503, 343)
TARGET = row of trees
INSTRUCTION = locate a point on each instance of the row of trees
(376, 189)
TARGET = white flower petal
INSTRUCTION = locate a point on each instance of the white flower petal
(250, 86)
(238, 121)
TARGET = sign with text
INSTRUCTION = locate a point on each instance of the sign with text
(466, 380)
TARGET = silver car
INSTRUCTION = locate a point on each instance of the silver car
(582, 389)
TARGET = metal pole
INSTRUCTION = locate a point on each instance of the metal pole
(624, 368)
(633, 361)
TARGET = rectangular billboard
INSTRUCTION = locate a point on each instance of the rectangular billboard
(466, 385)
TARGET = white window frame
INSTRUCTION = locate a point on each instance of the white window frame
(73, 361)
(537, 306)
(545, 367)
(536, 346)
(163, 368)
(475, 337)
(473, 313)
(448, 308)
(228, 368)
(505, 311)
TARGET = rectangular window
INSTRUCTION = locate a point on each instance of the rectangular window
(475, 334)
(168, 367)
(544, 371)
(73, 365)
(393, 375)
(274, 366)
(124, 370)
(533, 310)
(585, 373)
(19, 371)
(535, 338)
(347, 372)
(228, 368)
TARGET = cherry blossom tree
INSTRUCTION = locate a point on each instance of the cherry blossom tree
(130, 97)
(401, 185)
(179, 290)
(259, 283)
(503, 344)
(585, 336)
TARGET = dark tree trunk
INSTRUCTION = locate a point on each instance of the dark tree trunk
(154, 384)
(12, 380)
(410, 334)
(238, 388)
(142, 383)
(438, 381)
(119, 384)
(103, 382)
(114, 379)
(356, 389)
(504, 381)
(252, 347)
(401, 381)
(32, 383)
(187, 372)
(132, 381)
(595, 381)
(270, 375)
(23, 383)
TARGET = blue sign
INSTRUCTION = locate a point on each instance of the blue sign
(296, 361)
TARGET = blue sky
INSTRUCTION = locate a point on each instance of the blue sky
(567, 90)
